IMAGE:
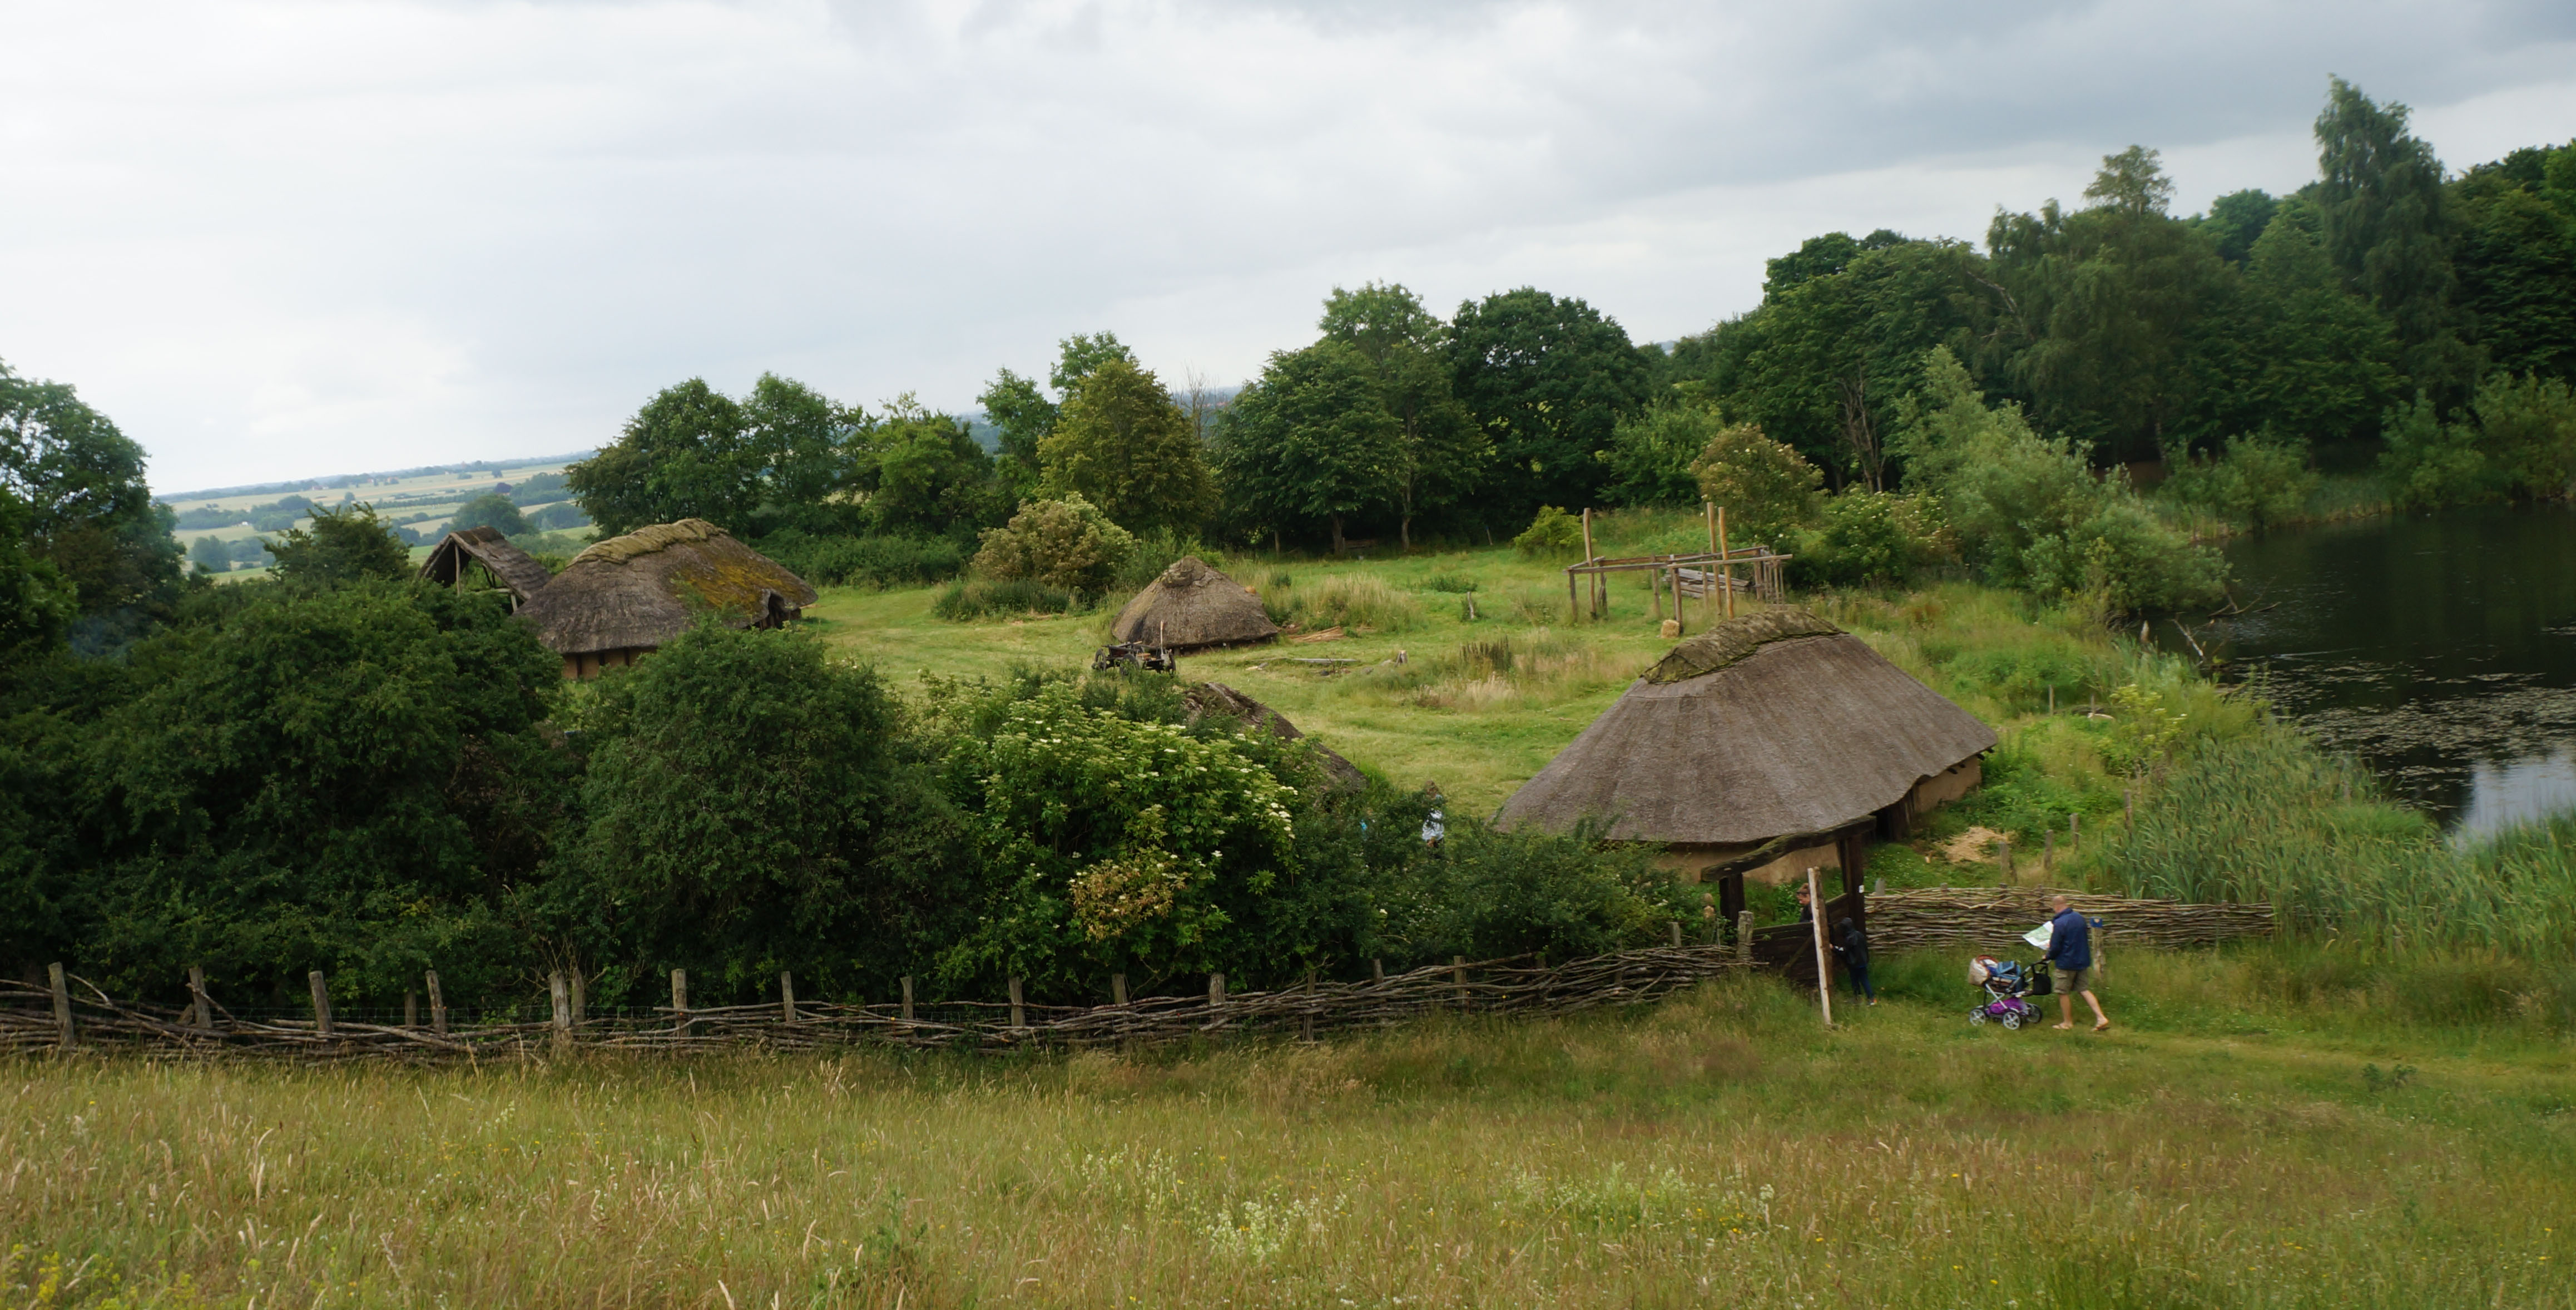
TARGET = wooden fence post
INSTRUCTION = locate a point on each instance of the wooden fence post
(1744, 936)
(1824, 965)
(1216, 991)
(1587, 558)
(680, 1002)
(1676, 926)
(2005, 846)
(321, 1003)
(1019, 1020)
(787, 995)
(559, 995)
(62, 1005)
(411, 1008)
(1458, 979)
(580, 999)
(437, 1004)
(1725, 567)
(907, 998)
(202, 1005)
(1306, 1017)
(1377, 971)
(1118, 989)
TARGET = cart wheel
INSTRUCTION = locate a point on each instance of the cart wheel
(1977, 1017)
(2012, 1019)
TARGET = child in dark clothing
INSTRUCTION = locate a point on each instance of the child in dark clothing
(1850, 944)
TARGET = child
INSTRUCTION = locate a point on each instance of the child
(1850, 944)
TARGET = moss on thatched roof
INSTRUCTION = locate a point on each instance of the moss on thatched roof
(1192, 605)
(640, 590)
(1789, 726)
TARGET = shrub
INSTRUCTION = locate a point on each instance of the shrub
(877, 560)
(2528, 426)
(1491, 894)
(2430, 463)
(1552, 532)
(1871, 537)
(1158, 550)
(982, 598)
(2257, 481)
(1765, 487)
(1651, 455)
(1065, 545)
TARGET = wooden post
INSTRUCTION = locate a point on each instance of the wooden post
(321, 1002)
(1377, 971)
(2047, 853)
(437, 1004)
(559, 994)
(1458, 979)
(1725, 566)
(1824, 966)
(1708, 594)
(2005, 845)
(411, 1009)
(63, 1028)
(1573, 603)
(580, 999)
(1306, 1018)
(1118, 989)
(202, 1005)
(680, 1002)
(907, 998)
(1744, 937)
(2074, 830)
(1216, 996)
(787, 995)
(1018, 1019)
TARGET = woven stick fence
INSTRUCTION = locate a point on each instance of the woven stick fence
(81, 1016)
(1993, 919)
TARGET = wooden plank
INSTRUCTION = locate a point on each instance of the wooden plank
(321, 1002)
(1824, 970)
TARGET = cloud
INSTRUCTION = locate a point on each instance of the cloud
(274, 238)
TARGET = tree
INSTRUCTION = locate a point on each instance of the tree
(489, 510)
(2380, 191)
(2515, 252)
(799, 450)
(1123, 446)
(340, 546)
(1022, 414)
(2235, 220)
(1548, 380)
(1651, 454)
(36, 602)
(1441, 453)
(1766, 487)
(89, 513)
(1066, 544)
(1312, 439)
(2292, 351)
(684, 455)
(210, 555)
(924, 474)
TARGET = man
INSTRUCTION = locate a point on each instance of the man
(2070, 956)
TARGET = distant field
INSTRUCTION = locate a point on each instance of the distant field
(395, 498)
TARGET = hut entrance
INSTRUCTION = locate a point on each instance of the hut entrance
(1791, 947)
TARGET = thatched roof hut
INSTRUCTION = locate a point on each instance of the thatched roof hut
(630, 594)
(1217, 700)
(1772, 732)
(1192, 605)
(515, 569)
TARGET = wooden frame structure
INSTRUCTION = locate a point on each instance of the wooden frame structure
(1715, 575)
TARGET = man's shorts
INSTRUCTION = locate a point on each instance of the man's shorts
(2067, 982)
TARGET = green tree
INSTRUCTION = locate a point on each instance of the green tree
(89, 512)
(1548, 380)
(2386, 227)
(36, 602)
(1651, 454)
(1312, 439)
(1441, 454)
(682, 456)
(801, 451)
(2515, 252)
(489, 510)
(210, 555)
(2292, 352)
(340, 546)
(1122, 445)
(2236, 220)
(924, 474)
(1022, 414)
(1765, 487)
(1067, 544)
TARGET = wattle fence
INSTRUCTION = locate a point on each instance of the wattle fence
(70, 1014)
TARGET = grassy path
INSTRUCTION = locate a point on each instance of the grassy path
(1719, 1148)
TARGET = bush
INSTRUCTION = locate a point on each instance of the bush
(489, 510)
(1871, 537)
(2528, 426)
(2430, 463)
(1765, 487)
(1064, 545)
(1651, 455)
(1491, 894)
(1552, 532)
(2258, 481)
(878, 560)
(987, 598)
(1156, 551)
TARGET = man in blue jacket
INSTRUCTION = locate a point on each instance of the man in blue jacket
(2070, 959)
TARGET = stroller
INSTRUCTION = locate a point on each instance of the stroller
(2009, 985)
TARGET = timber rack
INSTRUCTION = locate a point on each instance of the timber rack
(1716, 573)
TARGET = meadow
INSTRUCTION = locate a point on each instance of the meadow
(2224, 1146)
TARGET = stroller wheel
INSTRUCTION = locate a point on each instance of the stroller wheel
(1977, 1016)
(2012, 1019)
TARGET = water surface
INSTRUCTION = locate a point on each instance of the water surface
(2441, 649)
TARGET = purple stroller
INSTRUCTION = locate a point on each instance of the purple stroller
(2009, 985)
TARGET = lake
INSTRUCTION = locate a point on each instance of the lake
(2440, 649)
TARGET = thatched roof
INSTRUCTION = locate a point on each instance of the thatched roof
(1764, 726)
(640, 590)
(1219, 700)
(1193, 605)
(517, 569)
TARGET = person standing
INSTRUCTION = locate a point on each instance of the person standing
(2070, 957)
(1853, 945)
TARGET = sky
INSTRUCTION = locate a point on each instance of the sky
(281, 239)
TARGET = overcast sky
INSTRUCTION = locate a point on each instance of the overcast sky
(277, 240)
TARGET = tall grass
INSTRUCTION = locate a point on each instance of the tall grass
(1717, 1149)
(1354, 600)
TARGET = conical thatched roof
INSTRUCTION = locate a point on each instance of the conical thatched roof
(638, 591)
(517, 569)
(1217, 699)
(1770, 725)
(1193, 605)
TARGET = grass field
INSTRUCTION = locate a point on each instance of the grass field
(2217, 1149)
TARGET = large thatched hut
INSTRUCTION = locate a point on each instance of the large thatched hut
(630, 594)
(454, 558)
(1193, 606)
(1769, 744)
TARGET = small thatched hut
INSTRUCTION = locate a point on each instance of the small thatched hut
(516, 570)
(1766, 745)
(630, 594)
(1192, 606)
